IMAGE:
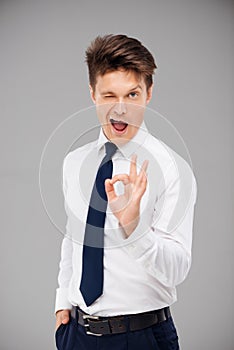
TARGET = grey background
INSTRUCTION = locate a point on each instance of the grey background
(44, 80)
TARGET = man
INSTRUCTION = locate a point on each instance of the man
(129, 201)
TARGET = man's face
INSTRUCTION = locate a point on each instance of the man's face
(120, 97)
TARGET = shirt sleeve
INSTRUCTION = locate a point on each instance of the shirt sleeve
(65, 265)
(165, 247)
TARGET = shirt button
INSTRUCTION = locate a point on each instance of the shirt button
(132, 247)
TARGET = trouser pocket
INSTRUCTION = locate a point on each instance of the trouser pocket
(166, 335)
(65, 335)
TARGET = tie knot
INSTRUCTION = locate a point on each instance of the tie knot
(110, 149)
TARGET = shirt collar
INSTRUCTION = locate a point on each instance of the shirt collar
(131, 146)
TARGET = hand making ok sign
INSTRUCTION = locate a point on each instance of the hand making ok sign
(126, 207)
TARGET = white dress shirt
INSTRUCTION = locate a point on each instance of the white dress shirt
(140, 272)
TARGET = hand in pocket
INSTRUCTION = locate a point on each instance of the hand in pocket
(62, 317)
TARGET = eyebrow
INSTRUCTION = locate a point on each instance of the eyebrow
(136, 87)
(132, 89)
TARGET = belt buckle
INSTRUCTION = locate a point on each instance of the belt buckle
(86, 319)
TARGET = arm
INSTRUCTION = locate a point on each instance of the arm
(62, 305)
(164, 251)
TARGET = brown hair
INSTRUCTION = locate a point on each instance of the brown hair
(112, 52)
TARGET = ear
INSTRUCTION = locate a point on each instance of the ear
(92, 94)
(149, 93)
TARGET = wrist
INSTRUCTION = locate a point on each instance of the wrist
(129, 227)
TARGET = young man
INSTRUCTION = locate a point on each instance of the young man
(129, 201)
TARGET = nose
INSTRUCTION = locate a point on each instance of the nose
(120, 108)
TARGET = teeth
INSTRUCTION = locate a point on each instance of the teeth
(117, 121)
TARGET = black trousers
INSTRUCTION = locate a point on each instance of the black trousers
(162, 336)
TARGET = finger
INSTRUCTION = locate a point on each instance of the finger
(142, 177)
(65, 316)
(65, 320)
(144, 166)
(110, 190)
(57, 325)
(120, 177)
(140, 190)
(62, 316)
(133, 170)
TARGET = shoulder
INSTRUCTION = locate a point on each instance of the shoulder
(76, 156)
(173, 166)
(165, 155)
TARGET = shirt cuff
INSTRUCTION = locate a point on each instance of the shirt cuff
(145, 250)
(62, 302)
(138, 247)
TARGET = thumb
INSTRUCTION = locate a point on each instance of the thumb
(65, 316)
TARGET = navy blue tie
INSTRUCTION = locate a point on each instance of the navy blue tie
(91, 285)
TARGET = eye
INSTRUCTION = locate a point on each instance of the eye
(133, 94)
(109, 96)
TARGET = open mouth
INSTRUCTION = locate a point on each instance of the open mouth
(118, 125)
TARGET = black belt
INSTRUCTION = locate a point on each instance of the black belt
(98, 325)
